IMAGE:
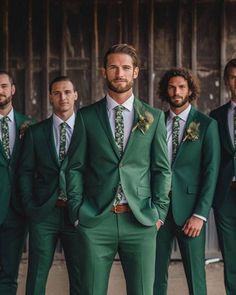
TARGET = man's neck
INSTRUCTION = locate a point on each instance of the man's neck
(64, 116)
(179, 110)
(6, 111)
(120, 98)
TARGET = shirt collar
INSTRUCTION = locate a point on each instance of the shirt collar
(57, 121)
(10, 115)
(128, 104)
(183, 115)
(232, 104)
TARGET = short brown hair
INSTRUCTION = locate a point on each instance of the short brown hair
(9, 76)
(192, 81)
(59, 79)
(230, 64)
(122, 48)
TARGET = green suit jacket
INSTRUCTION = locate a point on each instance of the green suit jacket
(228, 152)
(41, 175)
(195, 170)
(96, 169)
(8, 192)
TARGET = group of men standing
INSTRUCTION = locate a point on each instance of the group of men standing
(117, 177)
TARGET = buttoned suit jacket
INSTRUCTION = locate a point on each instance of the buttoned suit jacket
(228, 155)
(195, 170)
(41, 175)
(8, 167)
(96, 168)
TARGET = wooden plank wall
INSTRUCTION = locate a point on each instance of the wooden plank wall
(41, 39)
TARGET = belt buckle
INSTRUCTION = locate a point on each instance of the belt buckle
(115, 209)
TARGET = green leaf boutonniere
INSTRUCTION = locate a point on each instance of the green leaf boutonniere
(192, 132)
(23, 128)
(144, 122)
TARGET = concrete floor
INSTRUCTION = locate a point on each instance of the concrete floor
(58, 282)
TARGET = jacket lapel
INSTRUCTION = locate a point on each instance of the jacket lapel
(48, 131)
(137, 107)
(103, 117)
(224, 127)
(191, 118)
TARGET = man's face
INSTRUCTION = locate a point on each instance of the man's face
(6, 91)
(178, 92)
(231, 82)
(63, 97)
(120, 72)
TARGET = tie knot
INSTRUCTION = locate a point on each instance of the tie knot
(63, 125)
(120, 108)
(5, 119)
(176, 119)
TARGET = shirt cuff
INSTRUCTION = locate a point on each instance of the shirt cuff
(76, 223)
(201, 217)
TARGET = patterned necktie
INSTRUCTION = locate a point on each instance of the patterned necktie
(62, 147)
(235, 127)
(119, 138)
(175, 136)
(5, 136)
(119, 127)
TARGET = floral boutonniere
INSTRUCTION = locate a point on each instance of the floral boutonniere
(23, 128)
(192, 132)
(145, 120)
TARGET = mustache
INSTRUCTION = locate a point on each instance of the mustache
(177, 96)
(120, 79)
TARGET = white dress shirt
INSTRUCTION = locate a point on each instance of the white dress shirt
(182, 124)
(56, 130)
(128, 116)
(12, 129)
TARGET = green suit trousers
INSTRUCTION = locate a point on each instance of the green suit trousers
(135, 244)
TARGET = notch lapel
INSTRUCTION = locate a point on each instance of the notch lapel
(50, 140)
(103, 117)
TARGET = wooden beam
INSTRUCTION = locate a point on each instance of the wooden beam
(179, 62)
(63, 58)
(94, 54)
(151, 52)
(194, 37)
(222, 53)
(5, 39)
(29, 64)
(46, 60)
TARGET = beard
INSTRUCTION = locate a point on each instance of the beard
(120, 89)
(178, 104)
(4, 103)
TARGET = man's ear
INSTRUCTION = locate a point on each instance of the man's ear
(104, 73)
(136, 71)
(13, 89)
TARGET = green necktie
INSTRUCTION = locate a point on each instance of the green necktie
(175, 136)
(62, 153)
(119, 138)
(5, 136)
(62, 147)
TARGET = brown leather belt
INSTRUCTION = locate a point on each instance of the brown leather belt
(61, 203)
(233, 185)
(122, 208)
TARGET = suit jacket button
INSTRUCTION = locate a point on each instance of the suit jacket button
(120, 165)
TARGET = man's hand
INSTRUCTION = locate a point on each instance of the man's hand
(159, 224)
(193, 226)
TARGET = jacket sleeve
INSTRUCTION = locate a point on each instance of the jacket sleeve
(160, 169)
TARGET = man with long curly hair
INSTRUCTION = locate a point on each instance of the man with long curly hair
(194, 151)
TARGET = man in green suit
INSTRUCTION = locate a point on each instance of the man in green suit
(118, 181)
(225, 197)
(13, 225)
(46, 151)
(194, 151)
